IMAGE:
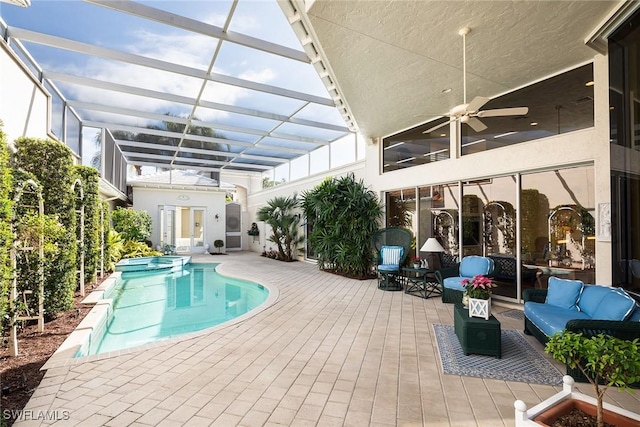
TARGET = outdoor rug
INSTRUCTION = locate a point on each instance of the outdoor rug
(520, 361)
(514, 314)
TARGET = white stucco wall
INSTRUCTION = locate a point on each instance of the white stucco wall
(23, 102)
(149, 199)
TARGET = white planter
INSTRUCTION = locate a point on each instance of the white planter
(524, 417)
(480, 308)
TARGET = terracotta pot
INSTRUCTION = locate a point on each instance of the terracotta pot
(548, 417)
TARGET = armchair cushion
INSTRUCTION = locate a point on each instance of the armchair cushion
(473, 265)
(564, 293)
(454, 283)
(391, 255)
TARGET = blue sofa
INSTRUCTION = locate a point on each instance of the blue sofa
(588, 309)
(567, 300)
(451, 278)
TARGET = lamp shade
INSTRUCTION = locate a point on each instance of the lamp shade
(432, 245)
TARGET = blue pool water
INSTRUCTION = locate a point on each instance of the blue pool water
(154, 305)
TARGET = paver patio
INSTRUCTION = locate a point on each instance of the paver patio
(331, 351)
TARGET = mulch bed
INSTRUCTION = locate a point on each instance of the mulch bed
(21, 375)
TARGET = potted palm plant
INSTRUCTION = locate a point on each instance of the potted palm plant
(605, 361)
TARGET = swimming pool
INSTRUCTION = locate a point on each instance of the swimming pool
(148, 306)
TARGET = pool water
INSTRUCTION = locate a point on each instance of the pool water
(150, 305)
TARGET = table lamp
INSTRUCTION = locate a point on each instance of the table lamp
(431, 245)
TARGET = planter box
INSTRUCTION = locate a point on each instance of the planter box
(480, 308)
(534, 416)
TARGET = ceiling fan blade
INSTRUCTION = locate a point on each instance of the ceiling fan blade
(498, 112)
(439, 126)
(475, 124)
(476, 103)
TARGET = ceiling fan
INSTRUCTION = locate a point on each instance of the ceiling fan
(470, 113)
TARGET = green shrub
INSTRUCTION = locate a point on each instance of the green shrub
(280, 214)
(113, 249)
(135, 249)
(51, 163)
(131, 224)
(90, 180)
(342, 215)
(5, 226)
(30, 227)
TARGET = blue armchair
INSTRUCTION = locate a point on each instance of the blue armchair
(392, 246)
(451, 278)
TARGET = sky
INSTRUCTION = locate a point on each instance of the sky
(104, 27)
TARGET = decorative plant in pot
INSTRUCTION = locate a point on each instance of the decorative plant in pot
(604, 360)
(416, 262)
(477, 295)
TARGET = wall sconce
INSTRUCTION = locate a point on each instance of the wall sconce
(217, 217)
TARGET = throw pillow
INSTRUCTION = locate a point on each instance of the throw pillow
(564, 293)
(606, 303)
(391, 254)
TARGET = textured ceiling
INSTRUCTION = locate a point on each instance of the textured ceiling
(393, 59)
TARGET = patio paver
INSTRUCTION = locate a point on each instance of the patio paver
(330, 351)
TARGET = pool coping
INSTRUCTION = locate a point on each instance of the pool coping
(65, 354)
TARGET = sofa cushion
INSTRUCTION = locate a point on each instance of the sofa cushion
(564, 293)
(454, 283)
(605, 303)
(473, 265)
(550, 318)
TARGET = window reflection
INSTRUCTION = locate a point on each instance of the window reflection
(558, 223)
(413, 147)
(560, 104)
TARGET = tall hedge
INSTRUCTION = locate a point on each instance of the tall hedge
(90, 181)
(109, 252)
(51, 162)
(343, 215)
(5, 226)
(32, 230)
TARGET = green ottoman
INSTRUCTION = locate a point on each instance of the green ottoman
(477, 335)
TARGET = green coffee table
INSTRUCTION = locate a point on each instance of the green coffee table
(477, 335)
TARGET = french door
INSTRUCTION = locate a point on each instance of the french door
(182, 227)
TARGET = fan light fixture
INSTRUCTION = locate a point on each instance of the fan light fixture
(470, 113)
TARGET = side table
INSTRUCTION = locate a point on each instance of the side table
(420, 282)
(477, 335)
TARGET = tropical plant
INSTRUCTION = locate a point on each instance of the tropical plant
(55, 175)
(280, 215)
(342, 216)
(603, 359)
(131, 224)
(135, 249)
(114, 248)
